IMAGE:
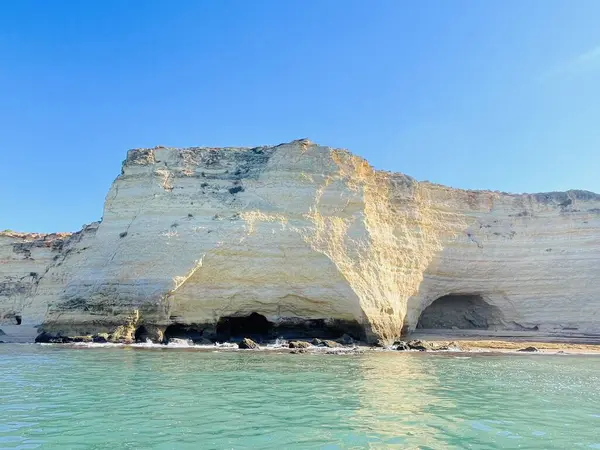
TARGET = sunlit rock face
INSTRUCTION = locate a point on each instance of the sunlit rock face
(310, 238)
(535, 258)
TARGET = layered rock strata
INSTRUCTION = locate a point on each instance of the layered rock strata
(311, 240)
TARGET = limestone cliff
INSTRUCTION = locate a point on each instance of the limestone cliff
(310, 239)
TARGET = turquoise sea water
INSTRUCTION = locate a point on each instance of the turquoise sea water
(113, 398)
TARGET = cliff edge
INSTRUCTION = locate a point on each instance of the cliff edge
(307, 241)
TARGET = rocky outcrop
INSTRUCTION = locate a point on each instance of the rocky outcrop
(248, 344)
(314, 242)
(299, 344)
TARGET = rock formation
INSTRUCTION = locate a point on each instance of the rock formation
(307, 241)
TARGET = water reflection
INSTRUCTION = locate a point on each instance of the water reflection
(398, 399)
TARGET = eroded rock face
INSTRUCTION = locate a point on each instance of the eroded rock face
(34, 269)
(311, 239)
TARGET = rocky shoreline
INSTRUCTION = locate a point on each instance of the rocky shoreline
(343, 345)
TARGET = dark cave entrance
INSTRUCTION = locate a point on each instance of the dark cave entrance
(141, 334)
(319, 328)
(255, 326)
(16, 318)
(180, 331)
(462, 311)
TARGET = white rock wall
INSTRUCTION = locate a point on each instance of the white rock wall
(301, 231)
(536, 257)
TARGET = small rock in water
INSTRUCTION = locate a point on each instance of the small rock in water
(298, 344)
(316, 342)
(401, 345)
(419, 345)
(528, 349)
(247, 343)
(346, 339)
(330, 344)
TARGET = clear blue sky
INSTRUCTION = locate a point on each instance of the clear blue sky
(474, 94)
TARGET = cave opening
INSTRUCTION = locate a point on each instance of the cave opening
(141, 334)
(460, 311)
(319, 328)
(255, 326)
(181, 331)
(16, 319)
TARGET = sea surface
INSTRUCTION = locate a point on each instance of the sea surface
(55, 397)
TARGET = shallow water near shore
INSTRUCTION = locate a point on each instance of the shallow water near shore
(127, 397)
